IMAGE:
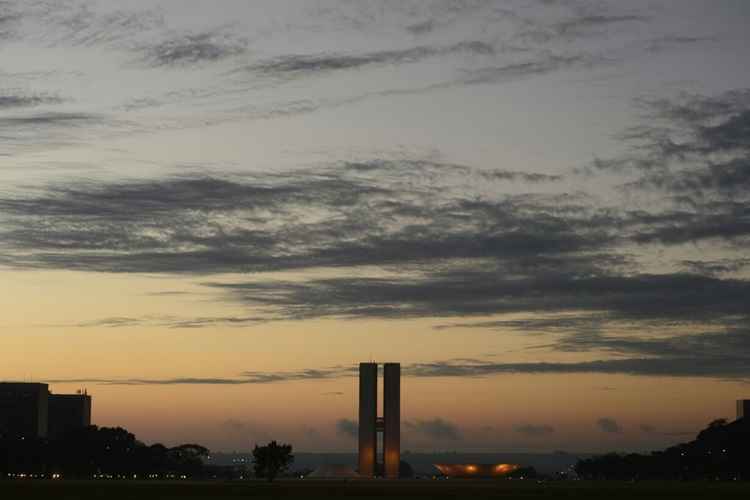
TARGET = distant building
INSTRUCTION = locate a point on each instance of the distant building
(29, 410)
(370, 424)
(68, 412)
(23, 410)
(743, 408)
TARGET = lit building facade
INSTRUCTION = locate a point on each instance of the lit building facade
(370, 424)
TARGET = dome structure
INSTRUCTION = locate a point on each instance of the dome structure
(476, 470)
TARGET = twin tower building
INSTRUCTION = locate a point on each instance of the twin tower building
(386, 462)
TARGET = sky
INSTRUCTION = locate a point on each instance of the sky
(211, 212)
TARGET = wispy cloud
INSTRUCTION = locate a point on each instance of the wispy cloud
(346, 427)
(422, 27)
(207, 224)
(720, 362)
(588, 24)
(294, 66)
(698, 366)
(608, 425)
(37, 129)
(437, 429)
(193, 49)
(81, 23)
(49, 120)
(534, 430)
(173, 322)
(676, 41)
(692, 145)
(250, 377)
(9, 19)
(16, 99)
(664, 297)
(533, 253)
(695, 150)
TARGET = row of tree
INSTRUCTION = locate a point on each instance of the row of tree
(97, 451)
(114, 452)
(719, 452)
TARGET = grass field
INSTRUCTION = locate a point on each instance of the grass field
(310, 489)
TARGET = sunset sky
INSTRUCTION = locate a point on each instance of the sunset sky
(211, 212)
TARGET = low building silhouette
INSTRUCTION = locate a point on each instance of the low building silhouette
(68, 412)
(23, 410)
(29, 410)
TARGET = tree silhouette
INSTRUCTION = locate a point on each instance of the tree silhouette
(188, 458)
(271, 460)
(718, 452)
(99, 451)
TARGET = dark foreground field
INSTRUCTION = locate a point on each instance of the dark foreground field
(473, 490)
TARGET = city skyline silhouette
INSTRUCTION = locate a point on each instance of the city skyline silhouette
(541, 209)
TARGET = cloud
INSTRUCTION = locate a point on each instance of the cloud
(553, 324)
(695, 150)
(442, 246)
(347, 428)
(718, 362)
(39, 120)
(173, 322)
(437, 429)
(112, 322)
(527, 177)
(608, 425)
(648, 429)
(589, 24)
(294, 66)
(455, 254)
(660, 44)
(723, 221)
(235, 425)
(310, 432)
(207, 224)
(666, 297)
(536, 65)
(534, 430)
(716, 267)
(245, 430)
(421, 28)
(193, 49)
(82, 24)
(569, 24)
(724, 342)
(726, 366)
(14, 99)
(9, 20)
(305, 374)
(245, 378)
(44, 129)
